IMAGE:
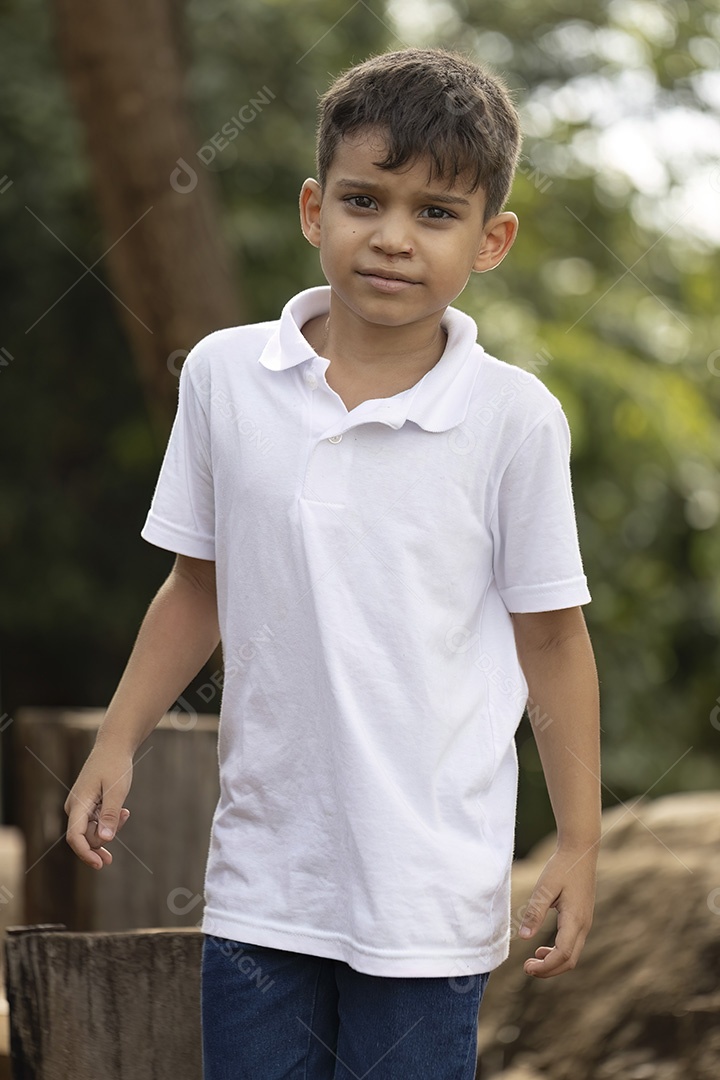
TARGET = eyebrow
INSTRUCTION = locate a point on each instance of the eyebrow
(425, 196)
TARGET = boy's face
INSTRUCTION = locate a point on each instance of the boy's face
(394, 247)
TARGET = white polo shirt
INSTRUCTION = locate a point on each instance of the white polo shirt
(367, 562)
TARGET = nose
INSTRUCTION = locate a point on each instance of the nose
(393, 235)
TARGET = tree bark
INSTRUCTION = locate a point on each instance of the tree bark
(167, 263)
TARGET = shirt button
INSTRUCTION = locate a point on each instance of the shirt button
(311, 380)
(334, 438)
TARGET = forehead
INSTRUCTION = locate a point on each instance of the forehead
(357, 154)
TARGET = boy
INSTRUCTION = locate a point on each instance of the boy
(393, 533)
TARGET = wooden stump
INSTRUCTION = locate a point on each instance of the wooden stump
(122, 1006)
(156, 878)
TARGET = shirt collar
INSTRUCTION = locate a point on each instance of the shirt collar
(438, 402)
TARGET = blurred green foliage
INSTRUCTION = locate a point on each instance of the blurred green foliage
(631, 353)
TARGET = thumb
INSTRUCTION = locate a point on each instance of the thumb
(108, 821)
(535, 911)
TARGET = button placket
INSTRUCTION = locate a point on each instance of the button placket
(328, 470)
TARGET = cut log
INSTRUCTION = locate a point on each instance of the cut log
(156, 877)
(104, 1006)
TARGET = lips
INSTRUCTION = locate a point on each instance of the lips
(388, 275)
(387, 281)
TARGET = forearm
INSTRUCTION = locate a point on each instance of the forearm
(177, 636)
(557, 658)
(563, 685)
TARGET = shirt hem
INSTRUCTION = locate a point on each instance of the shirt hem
(456, 964)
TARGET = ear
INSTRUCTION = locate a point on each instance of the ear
(498, 237)
(310, 205)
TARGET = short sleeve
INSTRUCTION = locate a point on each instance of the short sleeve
(536, 559)
(182, 512)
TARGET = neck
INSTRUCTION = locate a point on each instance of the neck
(354, 344)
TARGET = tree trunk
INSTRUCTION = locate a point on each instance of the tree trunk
(166, 262)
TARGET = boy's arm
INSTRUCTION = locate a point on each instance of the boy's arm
(557, 659)
(178, 635)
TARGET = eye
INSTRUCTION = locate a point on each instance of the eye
(437, 213)
(360, 202)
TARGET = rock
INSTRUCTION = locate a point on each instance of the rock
(644, 1001)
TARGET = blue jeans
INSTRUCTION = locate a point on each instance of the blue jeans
(269, 1014)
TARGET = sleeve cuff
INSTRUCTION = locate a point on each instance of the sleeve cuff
(164, 534)
(550, 597)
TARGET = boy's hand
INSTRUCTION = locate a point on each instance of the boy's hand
(567, 884)
(94, 805)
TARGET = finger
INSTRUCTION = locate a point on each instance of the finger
(555, 963)
(87, 845)
(537, 908)
(111, 805)
(91, 834)
(76, 837)
(105, 855)
(124, 815)
(108, 820)
(103, 852)
(542, 952)
(562, 957)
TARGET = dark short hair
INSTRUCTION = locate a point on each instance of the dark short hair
(427, 101)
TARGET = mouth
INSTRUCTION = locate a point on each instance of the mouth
(387, 280)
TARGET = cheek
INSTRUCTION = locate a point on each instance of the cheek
(343, 240)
